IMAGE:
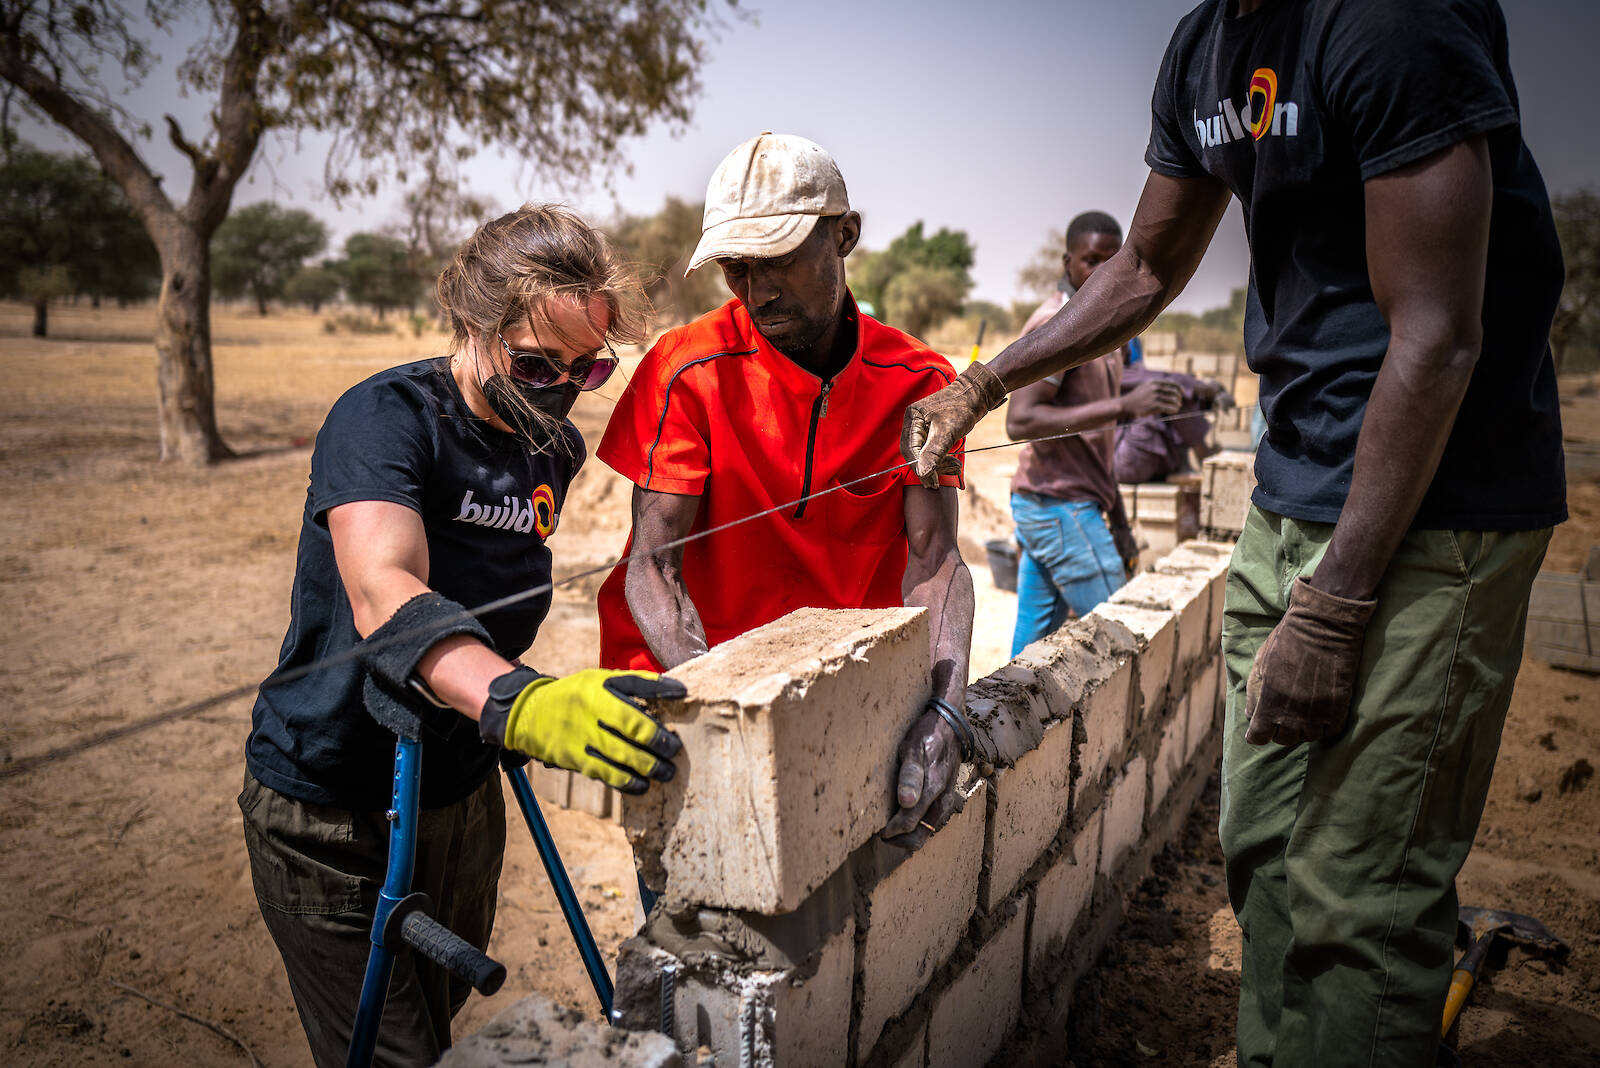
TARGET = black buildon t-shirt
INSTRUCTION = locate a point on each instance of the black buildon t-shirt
(487, 504)
(1292, 107)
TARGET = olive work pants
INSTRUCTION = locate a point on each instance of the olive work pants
(317, 871)
(1342, 854)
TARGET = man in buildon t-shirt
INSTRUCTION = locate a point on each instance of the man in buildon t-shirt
(1404, 272)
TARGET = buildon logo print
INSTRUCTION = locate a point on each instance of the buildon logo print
(1263, 83)
(537, 512)
(1261, 115)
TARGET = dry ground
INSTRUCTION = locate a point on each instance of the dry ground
(135, 588)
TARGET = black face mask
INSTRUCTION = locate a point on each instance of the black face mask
(511, 400)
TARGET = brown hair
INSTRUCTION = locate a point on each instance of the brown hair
(513, 265)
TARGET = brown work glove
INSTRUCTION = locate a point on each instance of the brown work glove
(934, 424)
(1300, 687)
(1127, 547)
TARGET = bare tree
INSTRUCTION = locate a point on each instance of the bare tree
(560, 82)
(1578, 222)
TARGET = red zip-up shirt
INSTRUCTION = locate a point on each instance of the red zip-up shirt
(715, 411)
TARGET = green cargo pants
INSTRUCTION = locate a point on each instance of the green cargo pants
(1342, 854)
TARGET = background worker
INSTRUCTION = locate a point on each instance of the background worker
(433, 488)
(1076, 544)
(1405, 270)
(785, 391)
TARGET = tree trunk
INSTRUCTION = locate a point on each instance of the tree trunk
(183, 351)
(41, 316)
(261, 302)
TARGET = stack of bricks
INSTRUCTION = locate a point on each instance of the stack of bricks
(1228, 480)
(1163, 513)
(789, 934)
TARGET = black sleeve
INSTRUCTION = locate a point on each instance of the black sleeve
(1170, 152)
(376, 445)
(1407, 80)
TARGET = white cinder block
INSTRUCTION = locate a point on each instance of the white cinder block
(591, 796)
(550, 784)
(1209, 560)
(790, 735)
(916, 914)
(1229, 480)
(1157, 633)
(975, 1013)
(1170, 754)
(1204, 702)
(1124, 816)
(1186, 596)
(1031, 802)
(1064, 892)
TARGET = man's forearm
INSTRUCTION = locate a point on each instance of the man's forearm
(1118, 301)
(944, 587)
(1171, 229)
(666, 616)
(1408, 421)
(1043, 420)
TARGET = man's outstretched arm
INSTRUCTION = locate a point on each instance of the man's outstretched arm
(1427, 253)
(936, 578)
(1171, 229)
(654, 586)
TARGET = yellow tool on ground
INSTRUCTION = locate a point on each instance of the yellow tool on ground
(1488, 928)
(978, 344)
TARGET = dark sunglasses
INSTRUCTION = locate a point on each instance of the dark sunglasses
(538, 371)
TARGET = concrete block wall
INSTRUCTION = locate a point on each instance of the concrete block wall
(842, 949)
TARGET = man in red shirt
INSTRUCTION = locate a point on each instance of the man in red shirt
(788, 398)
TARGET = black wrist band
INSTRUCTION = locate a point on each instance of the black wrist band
(503, 692)
(958, 723)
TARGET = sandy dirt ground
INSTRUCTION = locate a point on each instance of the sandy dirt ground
(133, 588)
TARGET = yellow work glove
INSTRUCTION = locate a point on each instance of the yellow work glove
(592, 722)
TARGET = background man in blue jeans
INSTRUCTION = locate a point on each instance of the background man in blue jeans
(1076, 545)
(1404, 274)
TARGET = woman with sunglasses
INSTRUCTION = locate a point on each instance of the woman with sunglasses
(434, 486)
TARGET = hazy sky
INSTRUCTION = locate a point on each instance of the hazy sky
(1001, 118)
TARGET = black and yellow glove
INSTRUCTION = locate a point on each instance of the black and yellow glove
(592, 722)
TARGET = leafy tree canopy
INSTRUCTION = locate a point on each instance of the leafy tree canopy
(559, 83)
(66, 229)
(377, 271)
(1040, 275)
(313, 286)
(258, 248)
(661, 244)
(918, 280)
(1576, 329)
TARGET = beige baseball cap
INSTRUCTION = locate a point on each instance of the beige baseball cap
(765, 197)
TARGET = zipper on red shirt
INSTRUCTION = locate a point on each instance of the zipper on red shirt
(819, 408)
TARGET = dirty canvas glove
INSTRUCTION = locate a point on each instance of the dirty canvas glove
(592, 722)
(1301, 684)
(1127, 547)
(929, 755)
(934, 424)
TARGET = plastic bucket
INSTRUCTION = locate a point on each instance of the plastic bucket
(1002, 553)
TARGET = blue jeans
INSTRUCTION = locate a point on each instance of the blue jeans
(1067, 561)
